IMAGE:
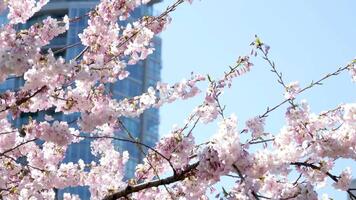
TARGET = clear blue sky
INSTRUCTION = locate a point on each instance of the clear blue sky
(307, 39)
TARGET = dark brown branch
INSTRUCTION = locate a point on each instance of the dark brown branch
(81, 53)
(333, 177)
(154, 150)
(243, 179)
(26, 165)
(155, 183)
(66, 47)
(7, 132)
(299, 177)
(261, 141)
(19, 102)
(17, 146)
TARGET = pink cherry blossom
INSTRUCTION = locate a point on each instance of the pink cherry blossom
(21, 11)
(344, 181)
(261, 166)
(256, 126)
(292, 90)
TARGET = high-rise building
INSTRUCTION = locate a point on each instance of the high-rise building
(142, 75)
(353, 189)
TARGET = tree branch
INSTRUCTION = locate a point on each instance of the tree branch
(333, 177)
(17, 146)
(155, 183)
(312, 84)
(19, 102)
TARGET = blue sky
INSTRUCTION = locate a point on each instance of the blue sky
(307, 39)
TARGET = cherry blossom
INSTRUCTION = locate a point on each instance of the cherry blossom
(21, 11)
(261, 165)
(256, 126)
(292, 90)
(352, 69)
(345, 180)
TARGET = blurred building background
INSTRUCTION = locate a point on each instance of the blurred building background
(142, 75)
(353, 189)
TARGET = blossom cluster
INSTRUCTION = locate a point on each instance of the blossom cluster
(292, 90)
(32, 155)
(21, 50)
(21, 11)
(256, 126)
(352, 69)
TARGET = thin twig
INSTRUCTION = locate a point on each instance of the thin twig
(312, 84)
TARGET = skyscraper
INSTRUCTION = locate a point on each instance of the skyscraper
(142, 75)
(353, 187)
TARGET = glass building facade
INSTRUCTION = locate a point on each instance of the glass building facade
(352, 186)
(142, 75)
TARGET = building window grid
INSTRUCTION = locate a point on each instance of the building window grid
(77, 149)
